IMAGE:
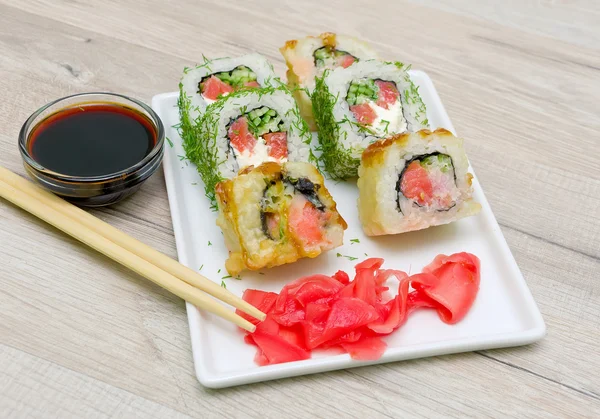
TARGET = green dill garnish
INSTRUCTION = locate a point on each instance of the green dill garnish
(223, 284)
(194, 183)
(339, 255)
(411, 95)
(201, 267)
(399, 65)
(345, 256)
(338, 161)
(209, 243)
(366, 255)
(387, 125)
(354, 241)
(169, 141)
(219, 271)
(195, 146)
(226, 276)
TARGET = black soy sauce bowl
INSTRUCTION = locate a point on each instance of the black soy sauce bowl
(93, 191)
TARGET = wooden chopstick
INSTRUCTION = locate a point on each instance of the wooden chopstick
(127, 242)
(43, 205)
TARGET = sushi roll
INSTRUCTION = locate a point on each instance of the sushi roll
(358, 105)
(213, 79)
(414, 181)
(275, 214)
(309, 57)
(244, 129)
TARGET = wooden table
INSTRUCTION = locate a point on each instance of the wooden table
(82, 337)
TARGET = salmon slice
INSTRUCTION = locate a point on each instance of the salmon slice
(277, 142)
(347, 60)
(305, 221)
(416, 184)
(240, 137)
(388, 93)
(214, 87)
(364, 113)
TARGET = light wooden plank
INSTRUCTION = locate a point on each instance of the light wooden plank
(32, 387)
(574, 21)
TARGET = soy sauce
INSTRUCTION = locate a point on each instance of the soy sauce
(92, 139)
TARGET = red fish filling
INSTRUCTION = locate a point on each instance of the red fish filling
(387, 94)
(257, 137)
(221, 84)
(430, 182)
(240, 138)
(306, 222)
(213, 88)
(365, 96)
(322, 311)
(328, 57)
(293, 206)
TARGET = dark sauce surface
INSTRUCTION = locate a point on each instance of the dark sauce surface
(92, 139)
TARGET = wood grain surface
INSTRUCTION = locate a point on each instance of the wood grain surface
(82, 337)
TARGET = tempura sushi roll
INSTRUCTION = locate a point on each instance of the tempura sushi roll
(275, 214)
(214, 79)
(358, 105)
(414, 181)
(308, 57)
(247, 128)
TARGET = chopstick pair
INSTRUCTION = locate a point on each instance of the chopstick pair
(124, 249)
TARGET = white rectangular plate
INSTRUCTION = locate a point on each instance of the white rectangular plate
(504, 313)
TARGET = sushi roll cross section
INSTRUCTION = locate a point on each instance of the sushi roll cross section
(376, 105)
(258, 136)
(215, 79)
(275, 214)
(307, 58)
(414, 181)
(355, 106)
(244, 129)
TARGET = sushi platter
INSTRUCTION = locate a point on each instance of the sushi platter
(503, 313)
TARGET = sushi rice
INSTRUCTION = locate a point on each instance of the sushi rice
(343, 134)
